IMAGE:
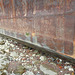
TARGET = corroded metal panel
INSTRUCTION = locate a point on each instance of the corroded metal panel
(47, 23)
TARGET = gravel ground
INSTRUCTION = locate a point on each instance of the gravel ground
(17, 59)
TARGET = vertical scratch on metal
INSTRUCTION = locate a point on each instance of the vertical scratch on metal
(74, 40)
(2, 6)
(14, 13)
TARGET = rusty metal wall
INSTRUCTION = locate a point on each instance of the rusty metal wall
(46, 23)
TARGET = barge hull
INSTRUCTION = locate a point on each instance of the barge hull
(48, 24)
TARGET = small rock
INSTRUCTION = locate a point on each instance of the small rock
(27, 55)
(5, 71)
(67, 63)
(61, 71)
(20, 69)
(14, 54)
(47, 71)
(2, 42)
(12, 73)
(35, 51)
(71, 69)
(38, 73)
(7, 50)
(11, 45)
(33, 62)
(53, 63)
(31, 58)
(65, 67)
(66, 74)
(35, 69)
(29, 73)
(33, 55)
(21, 54)
(42, 58)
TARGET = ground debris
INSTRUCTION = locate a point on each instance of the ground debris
(17, 59)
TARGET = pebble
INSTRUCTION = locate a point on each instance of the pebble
(38, 74)
(27, 60)
(17, 59)
(31, 58)
(29, 73)
(35, 69)
(27, 55)
(7, 50)
(14, 54)
(34, 55)
(24, 51)
(71, 69)
(42, 58)
(65, 67)
(66, 74)
(21, 54)
(53, 63)
(12, 73)
(5, 71)
(47, 71)
(67, 63)
(33, 62)
(61, 71)
(11, 45)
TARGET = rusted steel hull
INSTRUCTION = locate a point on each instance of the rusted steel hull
(46, 23)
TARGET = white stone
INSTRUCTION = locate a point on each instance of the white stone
(17, 59)
(6, 71)
(18, 48)
(66, 74)
(33, 55)
(46, 71)
(22, 60)
(22, 64)
(2, 61)
(31, 58)
(71, 69)
(14, 48)
(61, 71)
(7, 50)
(42, 58)
(24, 74)
(11, 45)
(21, 54)
(0, 39)
(65, 67)
(12, 73)
(53, 63)
(29, 73)
(67, 63)
(24, 51)
(60, 60)
(35, 69)
(14, 54)
(29, 67)
(33, 62)
(27, 55)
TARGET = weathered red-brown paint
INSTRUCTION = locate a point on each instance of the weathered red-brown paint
(52, 22)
